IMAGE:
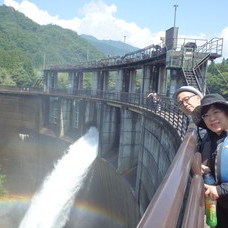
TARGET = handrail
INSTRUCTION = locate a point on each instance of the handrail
(164, 208)
(146, 53)
(203, 60)
(194, 210)
(212, 46)
(194, 75)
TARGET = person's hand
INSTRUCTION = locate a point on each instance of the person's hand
(205, 169)
(150, 95)
(211, 191)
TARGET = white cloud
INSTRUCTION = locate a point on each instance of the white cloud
(33, 12)
(12, 3)
(98, 19)
(224, 35)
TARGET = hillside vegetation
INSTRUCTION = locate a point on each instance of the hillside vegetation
(26, 46)
(217, 78)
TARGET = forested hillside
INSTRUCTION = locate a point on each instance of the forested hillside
(217, 78)
(26, 46)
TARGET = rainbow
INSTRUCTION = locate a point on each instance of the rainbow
(97, 212)
(81, 208)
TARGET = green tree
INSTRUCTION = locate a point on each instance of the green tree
(21, 77)
(62, 80)
(87, 80)
(5, 78)
(217, 78)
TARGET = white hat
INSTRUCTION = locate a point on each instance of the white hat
(189, 89)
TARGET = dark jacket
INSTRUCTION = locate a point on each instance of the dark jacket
(210, 153)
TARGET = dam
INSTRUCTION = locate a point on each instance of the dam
(138, 138)
(39, 146)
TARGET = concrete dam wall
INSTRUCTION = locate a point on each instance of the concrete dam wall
(137, 144)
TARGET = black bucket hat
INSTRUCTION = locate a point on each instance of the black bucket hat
(207, 100)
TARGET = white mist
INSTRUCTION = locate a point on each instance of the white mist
(50, 207)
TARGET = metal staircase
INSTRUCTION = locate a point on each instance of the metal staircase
(39, 81)
(191, 78)
(193, 60)
(193, 75)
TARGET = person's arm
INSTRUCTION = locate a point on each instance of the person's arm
(222, 189)
(150, 95)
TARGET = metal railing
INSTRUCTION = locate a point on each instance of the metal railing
(199, 49)
(146, 53)
(213, 46)
(165, 107)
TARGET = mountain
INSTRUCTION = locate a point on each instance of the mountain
(50, 42)
(27, 47)
(110, 47)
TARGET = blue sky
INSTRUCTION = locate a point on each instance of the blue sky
(142, 22)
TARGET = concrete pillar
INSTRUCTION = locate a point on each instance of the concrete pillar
(53, 119)
(46, 89)
(55, 78)
(51, 81)
(64, 117)
(129, 140)
(101, 80)
(54, 83)
(70, 86)
(48, 81)
(132, 86)
(119, 83)
(126, 81)
(162, 81)
(79, 80)
(109, 129)
(119, 80)
(173, 82)
(95, 82)
(146, 80)
(75, 114)
(105, 79)
(74, 82)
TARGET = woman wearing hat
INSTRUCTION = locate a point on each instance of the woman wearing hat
(212, 115)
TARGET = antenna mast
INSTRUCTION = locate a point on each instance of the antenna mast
(175, 11)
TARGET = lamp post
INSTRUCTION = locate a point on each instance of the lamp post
(125, 45)
(175, 11)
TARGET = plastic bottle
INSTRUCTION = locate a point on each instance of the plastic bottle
(210, 205)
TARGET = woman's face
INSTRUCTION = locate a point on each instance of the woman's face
(216, 119)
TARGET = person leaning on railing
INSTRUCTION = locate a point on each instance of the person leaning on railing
(212, 115)
(155, 100)
(187, 99)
